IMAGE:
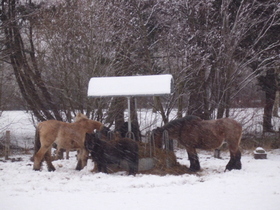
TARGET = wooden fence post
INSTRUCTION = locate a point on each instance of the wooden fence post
(7, 145)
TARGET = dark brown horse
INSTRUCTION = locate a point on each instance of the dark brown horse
(67, 136)
(194, 133)
(114, 151)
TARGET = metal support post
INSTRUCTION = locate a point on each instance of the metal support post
(129, 117)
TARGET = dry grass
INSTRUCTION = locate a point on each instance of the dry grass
(165, 161)
(268, 141)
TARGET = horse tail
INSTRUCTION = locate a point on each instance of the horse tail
(37, 143)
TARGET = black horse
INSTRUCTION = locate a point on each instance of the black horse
(114, 151)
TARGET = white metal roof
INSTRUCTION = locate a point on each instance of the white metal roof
(130, 85)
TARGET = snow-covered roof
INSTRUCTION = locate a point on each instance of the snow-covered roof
(130, 85)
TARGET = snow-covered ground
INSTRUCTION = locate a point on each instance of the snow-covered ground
(255, 187)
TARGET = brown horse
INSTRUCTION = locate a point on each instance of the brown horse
(67, 136)
(195, 133)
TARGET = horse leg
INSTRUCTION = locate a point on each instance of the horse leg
(59, 153)
(194, 161)
(235, 154)
(99, 166)
(105, 169)
(131, 171)
(133, 163)
(38, 158)
(67, 154)
(48, 158)
(82, 159)
(79, 165)
(234, 162)
(133, 168)
(130, 168)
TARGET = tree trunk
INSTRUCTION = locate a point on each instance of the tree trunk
(276, 104)
(268, 84)
(134, 119)
(221, 110)
(180, 101)
(116, 112)
(24, 64)
(159, 107)
(267, 116)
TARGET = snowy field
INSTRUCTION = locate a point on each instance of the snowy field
(255, 187)
(22, 126)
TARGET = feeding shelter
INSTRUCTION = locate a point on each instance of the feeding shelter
(129, 86)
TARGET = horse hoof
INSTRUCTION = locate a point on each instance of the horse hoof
(192, 170)
(51, 169)
(232, 168)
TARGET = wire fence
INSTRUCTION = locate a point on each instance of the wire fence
(9, 145)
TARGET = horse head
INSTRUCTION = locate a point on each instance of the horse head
(104, 133)
(89, 126)
(90, 141)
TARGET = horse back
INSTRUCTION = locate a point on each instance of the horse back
(230, 127)
(207, 134)
(71, 135)
(221, 127)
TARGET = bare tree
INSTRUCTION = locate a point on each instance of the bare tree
(210, 48)
(216, 59)
(17, 22)
(73, 47)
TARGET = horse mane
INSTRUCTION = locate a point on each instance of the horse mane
(80, 116)
(179, 122)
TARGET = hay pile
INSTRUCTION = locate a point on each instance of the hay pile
(165, 161)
